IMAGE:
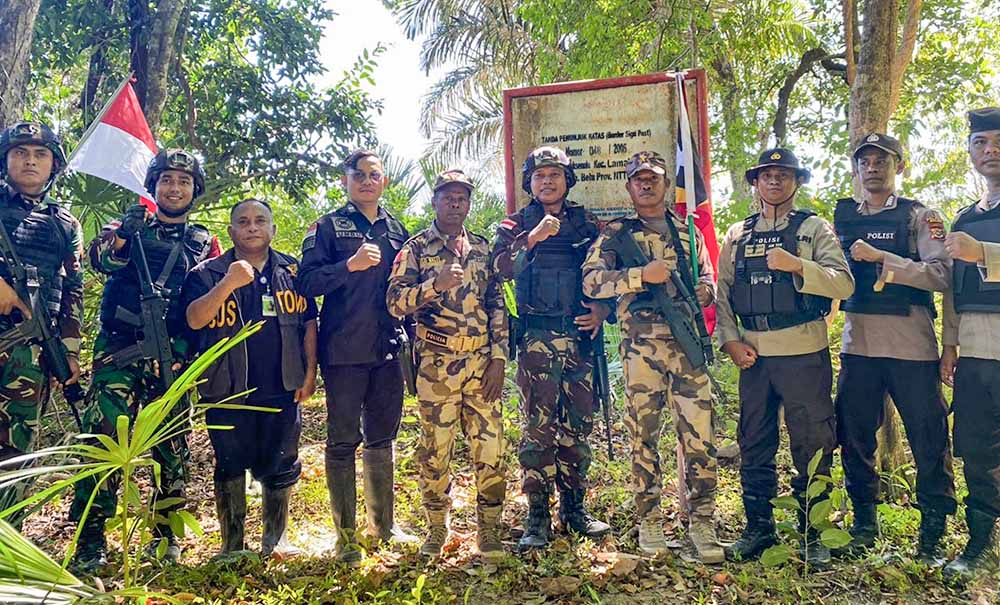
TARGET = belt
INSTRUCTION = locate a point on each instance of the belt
(459, 344)
(564, 324)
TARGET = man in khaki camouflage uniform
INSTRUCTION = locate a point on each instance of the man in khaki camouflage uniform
(442, 277)
(657, 374)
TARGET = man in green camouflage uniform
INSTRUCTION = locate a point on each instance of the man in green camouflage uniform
(442, 276)
(48, 238)
(541, 247)
(172, 247)
(657, 373)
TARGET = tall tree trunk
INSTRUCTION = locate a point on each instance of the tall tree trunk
(17, 31)
(138, 39)
(162, 45)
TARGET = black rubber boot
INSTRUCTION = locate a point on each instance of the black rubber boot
(162, 534)
(91, 548)
(231, 507)
(379, 496)
(758, 535)
(575, 518)
(537, 525)
(932, 527)
(811, 550)
(275, 513)
(978, 550)
(863, 531)
(341, 484)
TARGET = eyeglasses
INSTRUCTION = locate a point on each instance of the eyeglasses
(359, 176)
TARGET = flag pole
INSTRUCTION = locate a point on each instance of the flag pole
(689, 181)
(100, 116)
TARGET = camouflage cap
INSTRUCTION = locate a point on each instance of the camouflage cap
(881, 141)
(453, 175)
(778, 156)
(987, 118)
(646, 160)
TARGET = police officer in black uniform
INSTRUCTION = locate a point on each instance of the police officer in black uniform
(253, 283)
(172, 247)
(895, 248)
(347, 256)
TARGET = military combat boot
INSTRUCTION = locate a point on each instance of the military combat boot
(231, 508)
(537, 524)
(379, 491)
(91, 548)
(932, 527)
(341, 484)
(705, 542)
(275, 513)
(863, 531)
(488, 532)
(811, 550)
(758, 535)
(437, 534)
(163, 535)
(651, 539)
(574, 516)
(978, 550)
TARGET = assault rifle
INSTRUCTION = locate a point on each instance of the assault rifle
(406, 361)
(39, 329)
(602, 386)
(151, 322)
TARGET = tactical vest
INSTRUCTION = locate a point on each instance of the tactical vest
(552, 282)
(228, 376)
(764, 299)
(970, 291)
(42, 237)
(888, 230)
(122, 288)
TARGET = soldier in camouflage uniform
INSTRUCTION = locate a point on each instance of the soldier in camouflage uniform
(47, 237)
(542, 247)
(442, 276)
(172, 247)
(657, 373)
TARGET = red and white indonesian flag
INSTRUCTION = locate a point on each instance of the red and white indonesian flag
(119, 145)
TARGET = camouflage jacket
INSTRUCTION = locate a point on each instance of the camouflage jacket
(474, 309)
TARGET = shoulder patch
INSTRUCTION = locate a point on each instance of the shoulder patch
(507, 224)
(401, 256)
(310, 240)
(935, 224)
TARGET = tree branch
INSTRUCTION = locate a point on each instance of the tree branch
(904, 54)
(810, 58)
(850, 19)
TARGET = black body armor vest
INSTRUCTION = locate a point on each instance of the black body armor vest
(970, 291)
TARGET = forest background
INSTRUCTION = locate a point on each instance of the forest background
(238, 82)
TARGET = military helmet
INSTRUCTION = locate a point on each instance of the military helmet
(175, 159)
(547, 156)
(32, 133)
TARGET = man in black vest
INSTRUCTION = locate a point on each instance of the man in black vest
(171, 247)
(895, 248)
(251, 283)
(778, 272)
(346, 258)
(971, 324)
(542, 248)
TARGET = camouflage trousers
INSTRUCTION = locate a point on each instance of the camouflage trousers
(557, 401)
(659, 375)
(21, 392)
(449, 391)
(116, 392)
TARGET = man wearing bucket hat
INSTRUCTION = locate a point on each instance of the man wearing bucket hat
(659, 376)
(779, 270)
(970, 326)
(896, 250)
(541, 247)
(443, 278)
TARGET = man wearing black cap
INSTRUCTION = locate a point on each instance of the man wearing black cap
(541, 248)
(778, 273)
(895, 248)
(346, 258)
(658, 374)
(970, 327)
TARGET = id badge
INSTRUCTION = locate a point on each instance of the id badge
(267, 305)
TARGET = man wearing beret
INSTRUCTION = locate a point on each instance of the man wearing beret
(658, 374)
(970, 360)
(896, 250)
(779, 270)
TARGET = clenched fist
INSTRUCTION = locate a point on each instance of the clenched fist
(239, 274)
(962, 246)
(779, 259)
(656, 272)
(548, 227)
(865, 252)
(450, 276)
(367, 256)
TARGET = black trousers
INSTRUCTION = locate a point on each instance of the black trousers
(266, 443)
(916, 391)
(802, 384)
(364, 404)
(977, 430)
